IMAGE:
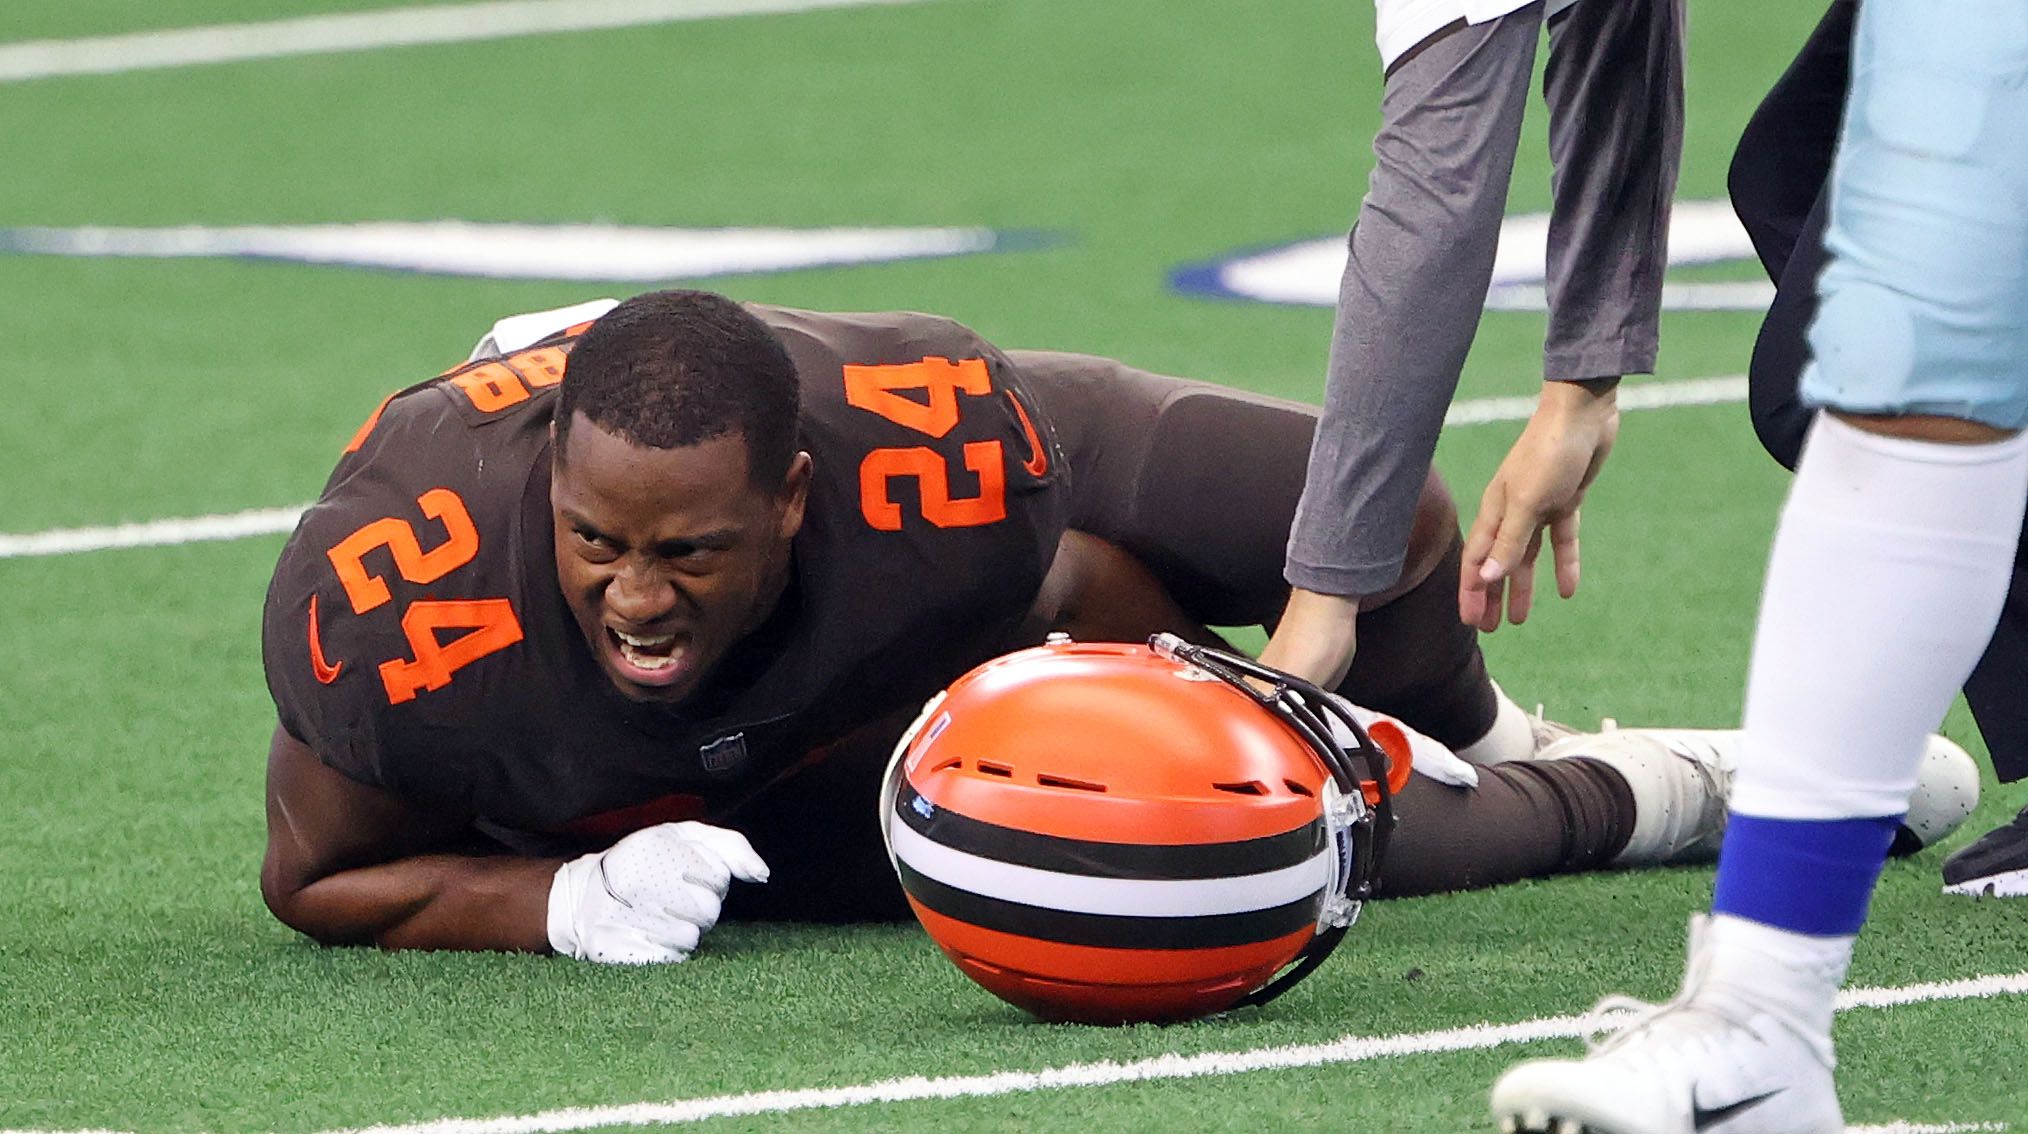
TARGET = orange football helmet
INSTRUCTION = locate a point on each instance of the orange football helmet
(1112, 833)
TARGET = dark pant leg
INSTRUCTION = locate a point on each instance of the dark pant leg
(1784, 155)
(1524, 820)
(1779, 184)
(1774, 377)
(1417, 661)
(1995, 689)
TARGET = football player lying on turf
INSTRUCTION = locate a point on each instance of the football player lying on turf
(618, 612)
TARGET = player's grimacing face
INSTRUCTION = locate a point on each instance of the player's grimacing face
(667, 557)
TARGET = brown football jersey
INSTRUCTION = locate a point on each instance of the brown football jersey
(415, 638)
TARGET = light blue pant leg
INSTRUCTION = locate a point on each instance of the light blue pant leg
(1925, 302)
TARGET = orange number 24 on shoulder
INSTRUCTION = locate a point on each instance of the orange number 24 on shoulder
(873, 388)
(489, 624)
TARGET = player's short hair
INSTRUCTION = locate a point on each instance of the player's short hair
(669, 369)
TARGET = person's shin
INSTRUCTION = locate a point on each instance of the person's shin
(1887, 574)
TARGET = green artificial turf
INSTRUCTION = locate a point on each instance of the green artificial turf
(142, 985)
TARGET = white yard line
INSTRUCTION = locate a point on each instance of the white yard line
(153, 533)
(1349, 1049)
(270, 521)
(365, 31)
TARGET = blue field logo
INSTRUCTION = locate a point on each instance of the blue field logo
(630, 253)
(1306, 273)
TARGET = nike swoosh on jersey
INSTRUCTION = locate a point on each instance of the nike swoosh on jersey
(1702, 1119)
(1038, 453)
(325, 671)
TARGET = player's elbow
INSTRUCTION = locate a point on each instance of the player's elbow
(288, 896)
(284, 899)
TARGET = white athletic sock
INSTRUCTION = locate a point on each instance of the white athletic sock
(1794, 975)
(1512, 737)
(1888, 572)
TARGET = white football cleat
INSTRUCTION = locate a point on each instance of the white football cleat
(1680, 778)
(1711, 1061)
(1946, 792)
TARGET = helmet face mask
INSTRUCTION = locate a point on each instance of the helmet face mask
(1112, 833)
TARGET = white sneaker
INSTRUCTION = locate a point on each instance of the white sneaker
(1711, 1061)
(1680, 778)
(1946, 793)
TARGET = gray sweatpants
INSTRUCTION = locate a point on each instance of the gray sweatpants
(1422, 252)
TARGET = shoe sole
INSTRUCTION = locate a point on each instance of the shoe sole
(2012, 884)
(1540, 1122)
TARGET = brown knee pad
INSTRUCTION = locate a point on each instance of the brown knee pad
(1417, 661)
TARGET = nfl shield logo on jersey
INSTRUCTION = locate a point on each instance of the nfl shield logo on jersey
(724, 754)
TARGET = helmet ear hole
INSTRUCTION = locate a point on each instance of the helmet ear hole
(1122, 836)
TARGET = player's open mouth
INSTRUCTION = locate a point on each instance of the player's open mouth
(648, 659)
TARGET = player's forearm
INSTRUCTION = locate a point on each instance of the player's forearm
(438, 901)
(1316, 637)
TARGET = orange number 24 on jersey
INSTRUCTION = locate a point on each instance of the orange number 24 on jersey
(489, 624)
(873, 388)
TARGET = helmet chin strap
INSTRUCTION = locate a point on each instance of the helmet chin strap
(1359, 813)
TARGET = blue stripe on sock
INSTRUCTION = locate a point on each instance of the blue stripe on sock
(1813, 876)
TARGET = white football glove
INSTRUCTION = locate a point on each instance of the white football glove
(1426, 756)
(649, 898)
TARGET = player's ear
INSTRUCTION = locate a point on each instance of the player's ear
(794, 493)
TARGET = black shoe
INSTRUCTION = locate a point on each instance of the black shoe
(1996, 866)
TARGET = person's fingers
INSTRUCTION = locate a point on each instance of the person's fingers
(740, 858)
(703, 866)
(1517, 530)
(1521, 582)
(1473, 569)
(1563, 549)
(693, 905)
(1471, 596)
(671, 932)
(1489, 618)
(1479, 597)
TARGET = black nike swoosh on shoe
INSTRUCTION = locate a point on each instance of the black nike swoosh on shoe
(1701, 1119)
